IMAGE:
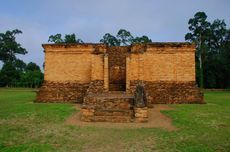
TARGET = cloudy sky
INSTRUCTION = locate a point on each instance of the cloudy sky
(161, 20)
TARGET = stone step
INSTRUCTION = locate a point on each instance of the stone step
(116, 101)
(111, 94)
(113, 112)
(117, 87)
(109, 104)
(116, 106)
(116, 119)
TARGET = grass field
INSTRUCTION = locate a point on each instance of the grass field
(34, 127)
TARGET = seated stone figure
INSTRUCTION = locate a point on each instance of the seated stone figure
(140, 99)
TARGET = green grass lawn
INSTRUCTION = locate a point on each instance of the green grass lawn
(34, 127)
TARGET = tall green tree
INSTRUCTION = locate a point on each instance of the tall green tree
(212, 51)
(32, 67)
(199, 34)
(8, 74)
(214, 68)
(142, 39)
(123, 38)
(31, 77)
(9, 47)
(69, 38)
(110, 40)
(56, 38)
(217, 35)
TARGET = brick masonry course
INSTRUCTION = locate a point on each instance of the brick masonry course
(81, 72)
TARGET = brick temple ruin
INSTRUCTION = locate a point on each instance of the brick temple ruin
(105, 79)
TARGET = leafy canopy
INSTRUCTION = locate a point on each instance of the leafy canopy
(69, 38)
(123, 38)
(212, 51)
(9, 47)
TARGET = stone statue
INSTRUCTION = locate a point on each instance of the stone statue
(140, 100)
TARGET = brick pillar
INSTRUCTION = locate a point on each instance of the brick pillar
(127, 74)
(106, 73)
(140, 67)
(93, 67)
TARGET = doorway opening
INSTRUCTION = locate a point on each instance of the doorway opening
(117, 67)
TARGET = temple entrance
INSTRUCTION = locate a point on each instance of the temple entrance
(117, 68)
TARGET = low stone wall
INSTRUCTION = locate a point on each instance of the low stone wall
(107, 108)
(61, 92)
(162, 92)
(96, 86)
(141, 114)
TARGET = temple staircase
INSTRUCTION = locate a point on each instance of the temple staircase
(114, 106)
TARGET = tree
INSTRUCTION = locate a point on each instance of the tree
(212, 51)
(199, 33)
(226, 59)
(142, 39)
(32, 76)
(20, 65)
(217, 35)
(110, 40)
(69, 38)
(214, 68)
(32, 67)
(8, 74)
(9, 47)
(124, 37)
(55, 38)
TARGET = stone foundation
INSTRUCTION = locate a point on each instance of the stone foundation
(141, 114)
(62, 92)
(96, 86)
(169, 92)
(107, 107)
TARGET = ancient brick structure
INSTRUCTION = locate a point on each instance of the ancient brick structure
(104, 79)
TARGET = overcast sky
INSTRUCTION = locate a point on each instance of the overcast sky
(161, 20)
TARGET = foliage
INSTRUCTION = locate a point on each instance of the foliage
(14, 71)
(123, 38)
(9, 48)
(29, 126)
(32, 67)
(142, 39)
(211, 51)
(22, 75)
(69, 38)
(110, 40)
(200, 29)
(8, 74)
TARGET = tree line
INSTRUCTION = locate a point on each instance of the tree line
(212, 51)
(122, 38)
(212, 42)
(15, 72)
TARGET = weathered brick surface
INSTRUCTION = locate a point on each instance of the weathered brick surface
(69, 70)
(74, 70)
(62, 92)
(97, 67)
(161, 92)
(108, 107)
(166, 63)
(117, 67)
(88, 72)
(141, 114)
(96, 86)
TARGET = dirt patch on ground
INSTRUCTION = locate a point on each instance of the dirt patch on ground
(156, 120)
